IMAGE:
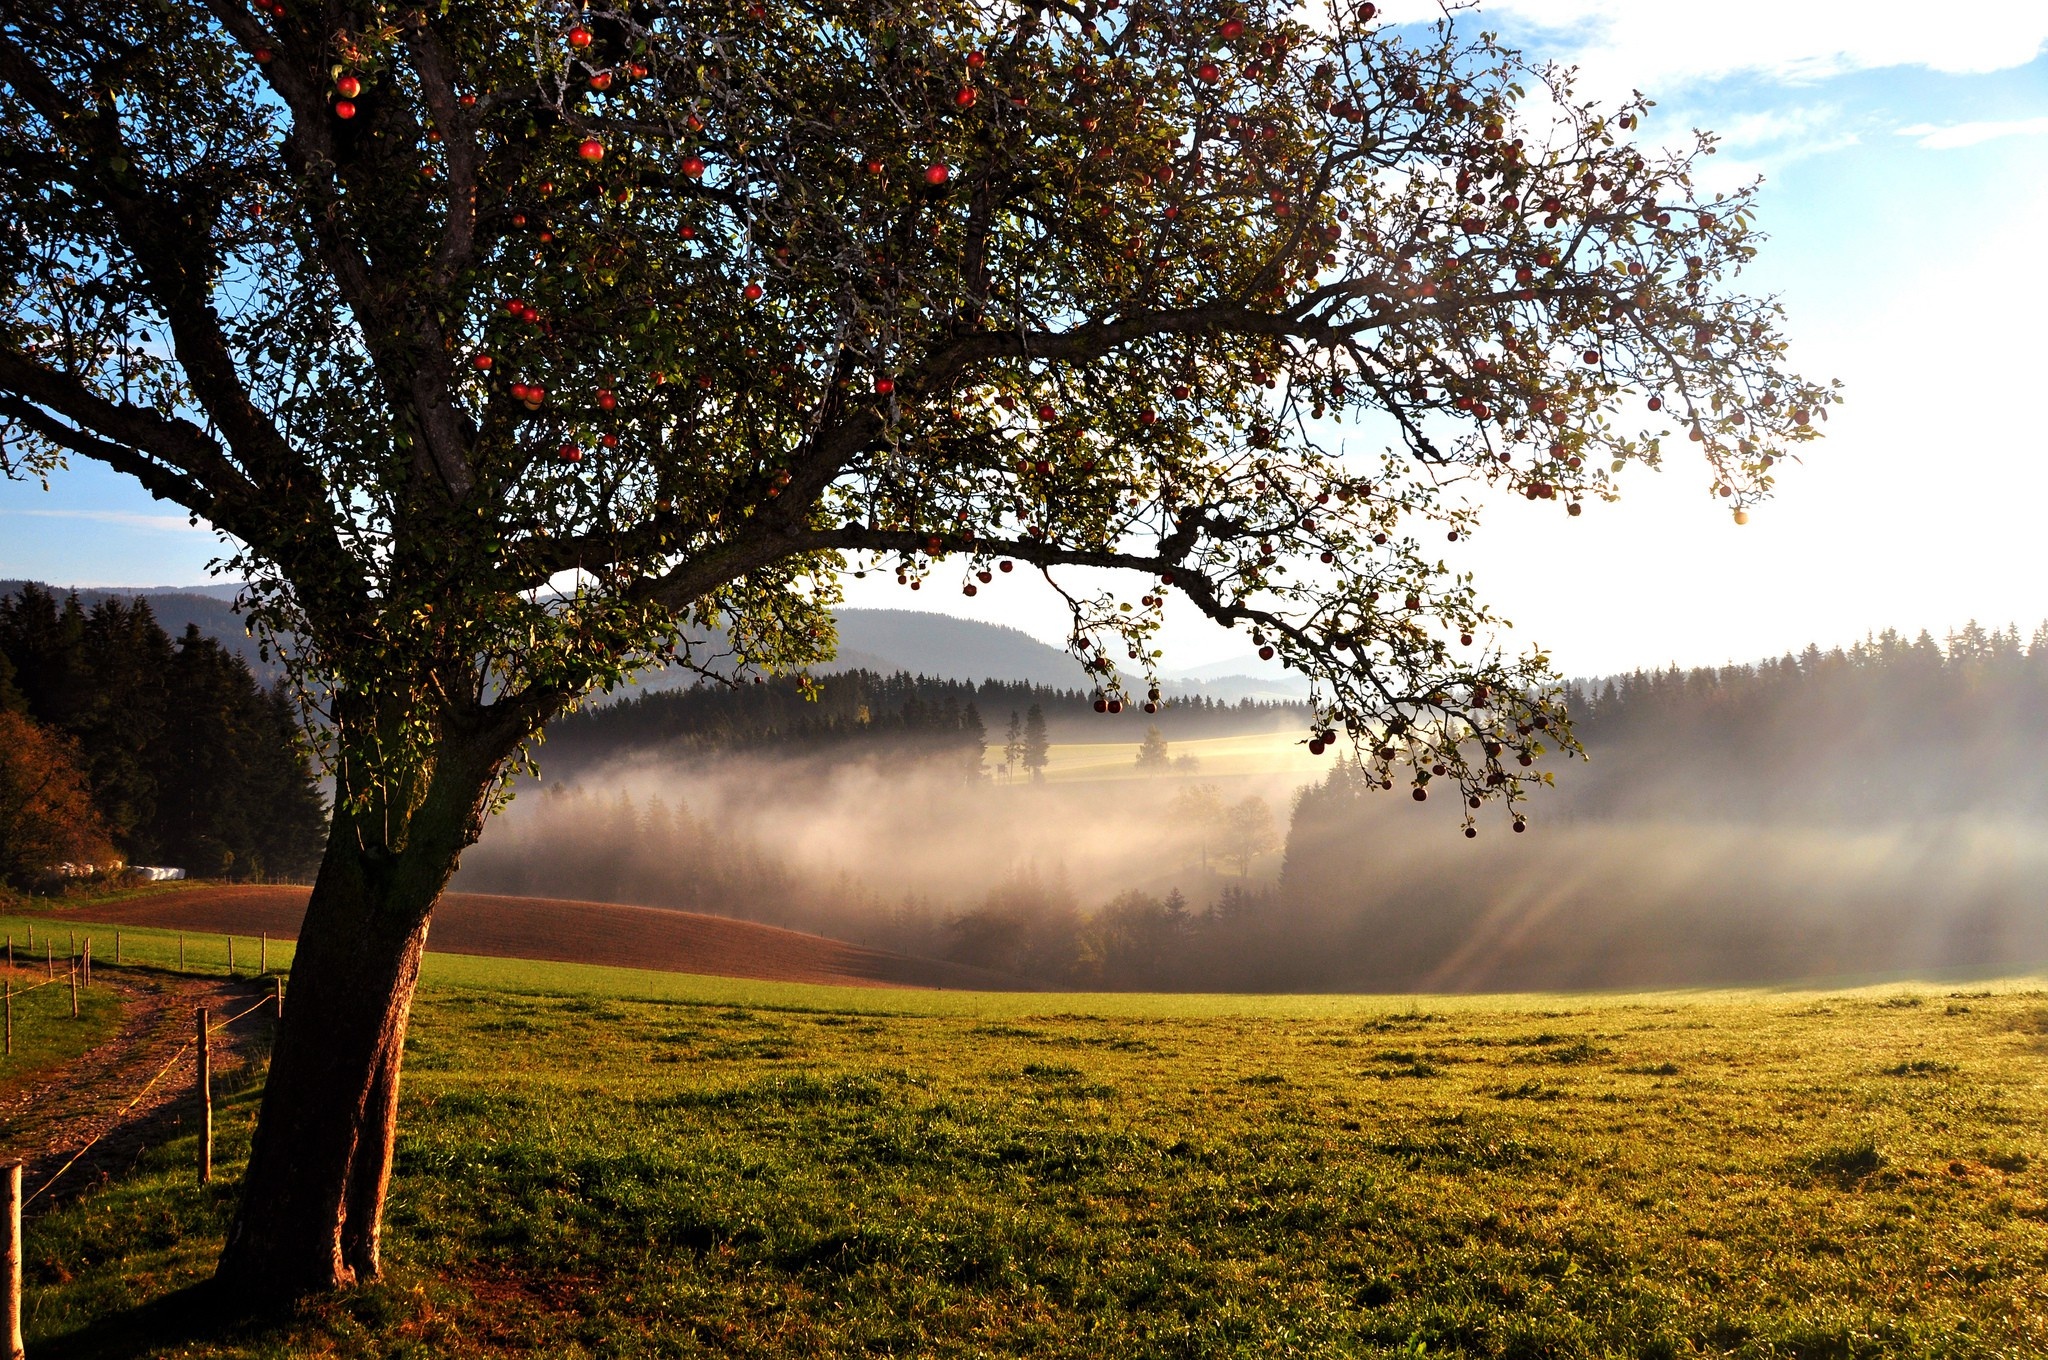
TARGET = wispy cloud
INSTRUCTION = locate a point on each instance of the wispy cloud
(1658, 47)
(167, 524)
(1970, 134)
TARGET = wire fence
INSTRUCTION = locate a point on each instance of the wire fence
(207, 1029)
(78, 973)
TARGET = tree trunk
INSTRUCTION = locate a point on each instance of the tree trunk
(313, 1195)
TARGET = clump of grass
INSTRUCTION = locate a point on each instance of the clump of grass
(1847, 1162)
(1919, 1067)
(1051, 1071)
(1402, 1063)
(1662, 1069)
(1005, 1032)
(1570, 1053)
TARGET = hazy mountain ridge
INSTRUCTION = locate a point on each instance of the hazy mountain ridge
(209, 608)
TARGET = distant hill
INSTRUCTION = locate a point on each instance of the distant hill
(949, 648)
(881, 640)
(938, 646)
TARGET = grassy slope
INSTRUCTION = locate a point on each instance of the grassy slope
(762, 1170)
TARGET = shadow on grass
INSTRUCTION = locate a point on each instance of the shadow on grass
(195, 1314)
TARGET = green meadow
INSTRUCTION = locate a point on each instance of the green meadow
(601, 1162)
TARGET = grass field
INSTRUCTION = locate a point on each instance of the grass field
(45, 1034)
(655, 1165)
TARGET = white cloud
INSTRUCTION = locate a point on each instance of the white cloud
(1969, 134)
(166, 524)
(1656, 46)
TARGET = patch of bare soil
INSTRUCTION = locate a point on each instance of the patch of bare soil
(103, 1102)
(567, 931)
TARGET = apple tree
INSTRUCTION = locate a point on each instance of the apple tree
(514, 347)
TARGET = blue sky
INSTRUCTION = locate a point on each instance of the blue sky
(1905, 157)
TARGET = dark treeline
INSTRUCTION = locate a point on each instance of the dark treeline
(188, 762)
(1885, 730)
(912, 713)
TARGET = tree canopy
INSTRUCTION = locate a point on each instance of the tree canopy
(511, 342)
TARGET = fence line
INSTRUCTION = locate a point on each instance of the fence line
(205, 1030)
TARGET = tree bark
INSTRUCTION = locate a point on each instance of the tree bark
(312, 1198)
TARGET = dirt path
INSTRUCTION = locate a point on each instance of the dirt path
(91, 1102)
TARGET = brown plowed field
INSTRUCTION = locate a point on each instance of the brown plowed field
(571, 932)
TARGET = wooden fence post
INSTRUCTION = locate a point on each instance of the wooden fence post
(49, 957)
(231, 956)
(181, 951)
(10, 951)
(117, 948)
(10, 1015)
(205, 1078)
(10, 1268)
(264, 959)
(278, 988)
(74, 989)
(88, 960)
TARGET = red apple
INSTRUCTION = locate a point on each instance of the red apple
(579, 36)
(591, 149)
(601, 82)
(344, 109)
(752, 292)
(348, 87)
(965, 97)
(693, 166)
(1003, 566)
(975, 61)
(885, 385)
(482, 362)
(936, 173)
(1209, 71)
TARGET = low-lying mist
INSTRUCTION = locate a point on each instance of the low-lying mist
(1828, 817)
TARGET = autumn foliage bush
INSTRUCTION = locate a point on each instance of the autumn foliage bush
(46, 814)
